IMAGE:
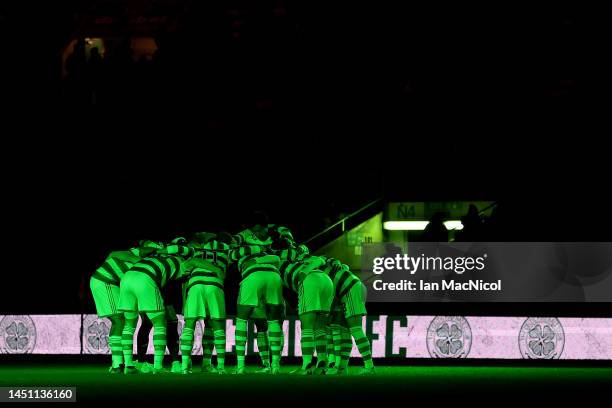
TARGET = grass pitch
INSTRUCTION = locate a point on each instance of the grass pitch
(407, 383)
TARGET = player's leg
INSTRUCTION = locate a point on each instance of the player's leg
(127, 341)
(187, 344)
(242, 316)
(114, 341)
(218, 326)
(355, 309)
(331, 354)
(194, 309)
(320, 290)
(208, 345)
(128, 304)
(215, 308)
(346, 347)
(159, 338)
(263, 345)
(248, 300)
(321, 342)
(106, 298)
(361, 341)
(172, 337)
(275, 334)
(150, 300)
(307, 341)
(335, 319)
(273, 294)
(142, 342)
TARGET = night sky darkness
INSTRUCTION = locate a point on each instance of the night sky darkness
(406, 104)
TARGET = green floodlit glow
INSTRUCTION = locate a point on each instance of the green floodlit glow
(419, 225)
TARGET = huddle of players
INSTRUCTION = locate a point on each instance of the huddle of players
(331, 300)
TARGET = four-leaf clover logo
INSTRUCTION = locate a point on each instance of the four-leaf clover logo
(97, 335)
(449, 339)
(17, 336)
(541, 340)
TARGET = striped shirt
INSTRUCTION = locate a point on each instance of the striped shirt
(254, 258)
(116, 265)
(164, 267)
(209, 264)
(341, 276)
(296, 265)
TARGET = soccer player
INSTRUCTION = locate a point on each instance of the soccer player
(141, 292)
(262, 234)
(260, 285)
(350, 296)
(205, 299)
(104, 285)
(301, 273)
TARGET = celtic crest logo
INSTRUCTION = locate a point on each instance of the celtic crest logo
(541, 338)
(17, 335)
(95, 335)
(449, 337)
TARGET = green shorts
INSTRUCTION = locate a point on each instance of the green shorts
(261, 288)
(106, 297)
(354, 301)
(260, 312)
(139, 293)
(315, 293)
(204, 301)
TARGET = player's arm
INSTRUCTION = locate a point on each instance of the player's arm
(315, 262)
(127, 256)
(236, 254)
(285, 233)
(144, 252)
(239, 238)
(175, 249)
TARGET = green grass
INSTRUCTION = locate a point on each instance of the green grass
(94, 384)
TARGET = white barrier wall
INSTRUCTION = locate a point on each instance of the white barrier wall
(392, 336)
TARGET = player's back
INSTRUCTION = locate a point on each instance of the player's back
(115, 265)
(341, 276)
(209, 264)
(165, 265)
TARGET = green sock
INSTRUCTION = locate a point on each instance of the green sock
(208, 342)
(220, 347)
(337, 339)
(186, 347)
(347, 346)
(159, 346)
(321, 345)
(264, 348)
(127, 344)
(115, 345)
(308, 346)
(275, 334)
(241, 339)
(282, 340)
(329, 340)
(363, 345)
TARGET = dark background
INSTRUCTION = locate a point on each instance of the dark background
(316, 110)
